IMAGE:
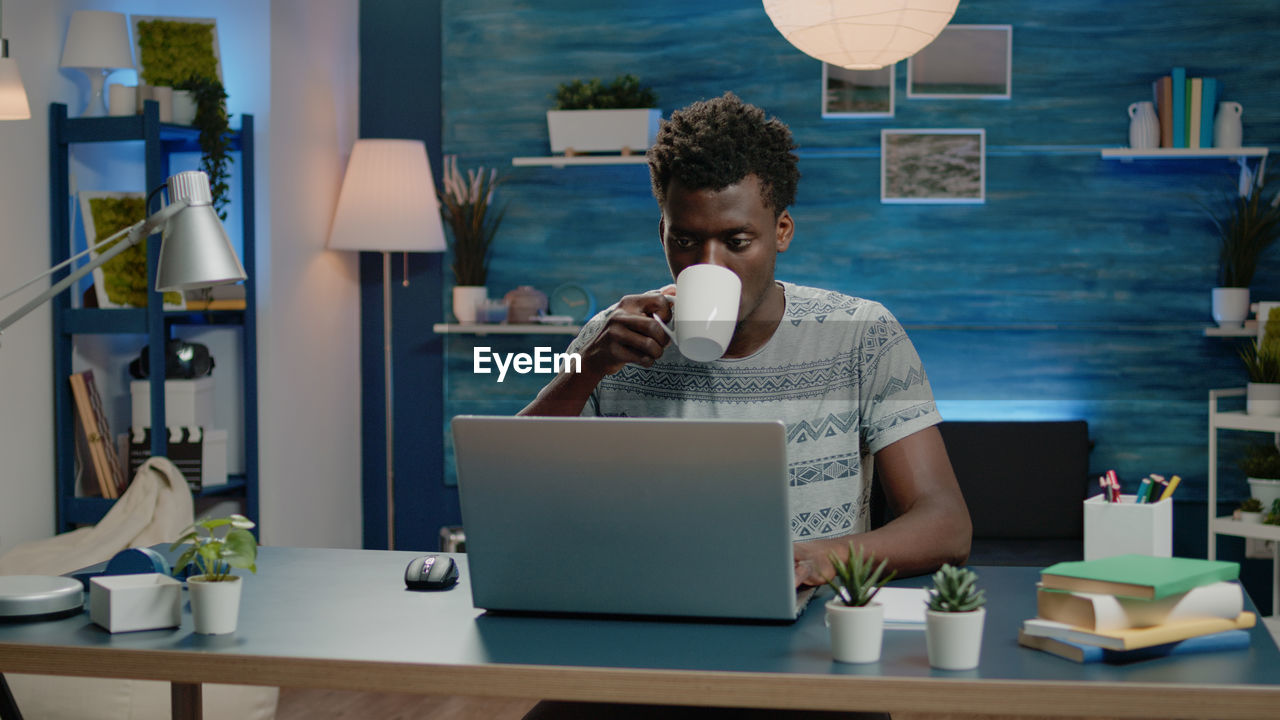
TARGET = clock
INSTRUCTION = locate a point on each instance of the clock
(572, 300)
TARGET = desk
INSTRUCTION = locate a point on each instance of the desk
(342, 619)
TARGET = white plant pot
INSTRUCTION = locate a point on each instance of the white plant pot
(466, 298)
(856, 632)
(954, 640)
(1250, 517)
(1267, 491)
(1262, 399)
(1230, 306)
(602, 130)
(215, 606)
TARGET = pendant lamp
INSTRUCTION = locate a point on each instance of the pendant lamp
(860, 34)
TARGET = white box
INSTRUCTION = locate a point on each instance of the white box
(186, 402)
(1127, 527)
(146, 601)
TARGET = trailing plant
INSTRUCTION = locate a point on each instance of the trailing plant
(1248, 224)
(955, 590)
(855, 582)
(214, 125)
(466, 205)
(1251, 505)
(214, 556)
(624, 92)
(1261, 461)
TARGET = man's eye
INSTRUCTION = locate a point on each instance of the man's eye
(738, 243)
(683, 243)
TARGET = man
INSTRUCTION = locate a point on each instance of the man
(838, 371)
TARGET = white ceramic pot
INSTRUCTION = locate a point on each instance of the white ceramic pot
(1227, 128)
(1262, 399)
(215, 606)
(1230, 306)
(856, 632)
(602, 130)
(184, 107)
(1267, 491)
(1250, 517)
(466, 298)
(954, 640)
(1144, 127)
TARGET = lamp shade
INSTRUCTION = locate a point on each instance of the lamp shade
(388, 200)
(195, 251)
(860, 34)
(97, 39)
(13, 95)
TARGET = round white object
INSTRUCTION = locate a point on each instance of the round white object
(29, 595)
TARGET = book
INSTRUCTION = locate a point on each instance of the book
(1145, 577)
(93, 441)
(1081, 653)
(1195, 102)
(1099, 611)
(1178, 81)
(114, 467)
(903, 607)
(1164, 109)
(1133, 638)
(1209, 98)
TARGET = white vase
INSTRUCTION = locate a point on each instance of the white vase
(1227, 128)
(1144, 127)
(1230, 306)
(466, 298)
(1262, 399)
(1267, 491)
(215, 606)
(856, 632)
(954, 639)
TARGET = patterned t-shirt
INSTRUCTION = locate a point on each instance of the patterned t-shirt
(839, 372)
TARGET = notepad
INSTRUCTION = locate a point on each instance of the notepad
(903, 607)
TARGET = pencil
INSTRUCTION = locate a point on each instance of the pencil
(1173, 484)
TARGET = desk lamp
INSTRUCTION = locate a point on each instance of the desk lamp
(97, 43)
(388, 204)
(13, 95)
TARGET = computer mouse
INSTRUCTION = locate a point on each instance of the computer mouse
(431, 572)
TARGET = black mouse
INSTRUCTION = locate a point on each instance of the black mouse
(431, 572)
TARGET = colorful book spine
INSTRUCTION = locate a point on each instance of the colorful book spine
(1132, 638)
(1209, 98)
(1081, 653)
(1164, 110)
(1178, 79)
(1097, 611)
(1195, 105)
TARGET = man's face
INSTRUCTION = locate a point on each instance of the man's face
(733, 228)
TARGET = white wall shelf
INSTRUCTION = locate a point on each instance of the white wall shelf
(563, 160)
(1249, 329)
(1129, 154)
(504, 329)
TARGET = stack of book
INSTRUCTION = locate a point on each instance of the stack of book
(1185, 107)
(1132, 607)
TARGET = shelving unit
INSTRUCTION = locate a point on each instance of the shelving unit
(504, 329)
(1225, 525)
(563, 160)
(160, 141)
(1238, 155)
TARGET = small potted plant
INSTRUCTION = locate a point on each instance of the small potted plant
(954, 619)
(1273, 517)
(1250, 511)
(856, 622)
(592, 116)
(1247, 227)
(216, 546)
(1262, 362)
(466, 204)
(1261, 466)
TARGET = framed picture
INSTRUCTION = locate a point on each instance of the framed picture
(933, 166)
(857, 93)
(172, 49)
(964, 61)
(122, 280)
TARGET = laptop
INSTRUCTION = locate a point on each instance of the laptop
(621, 516)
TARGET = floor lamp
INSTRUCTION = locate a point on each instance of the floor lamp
(388, 204)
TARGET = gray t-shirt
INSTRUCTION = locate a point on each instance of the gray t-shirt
(839, 372)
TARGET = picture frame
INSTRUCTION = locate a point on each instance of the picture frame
(852, 94)
(933, 166)
(170, 49)
(973, 62)
(122, 281)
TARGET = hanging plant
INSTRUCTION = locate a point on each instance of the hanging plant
(214, 125)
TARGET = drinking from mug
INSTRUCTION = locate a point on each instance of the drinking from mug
(706, 311)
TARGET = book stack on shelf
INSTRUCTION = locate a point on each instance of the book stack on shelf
(1185, 107)
(1126, 608)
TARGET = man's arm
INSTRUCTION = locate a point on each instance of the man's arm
(932, 526)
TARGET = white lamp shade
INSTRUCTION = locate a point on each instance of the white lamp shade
(13, 96)
(388, 200)
(97, 39)
(860, 34)
(195, 251)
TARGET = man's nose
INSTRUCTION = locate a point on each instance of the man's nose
(713, 253)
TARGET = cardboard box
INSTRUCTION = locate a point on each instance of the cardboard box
(1127, 527)
(125, 603)
(186, 402)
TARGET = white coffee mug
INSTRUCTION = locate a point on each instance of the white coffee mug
(122, 100)
(706, 311)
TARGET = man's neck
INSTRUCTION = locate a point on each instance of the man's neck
(755, 330)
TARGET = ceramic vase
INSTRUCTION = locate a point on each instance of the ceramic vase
(1144, 127)
(954, 639)
(215, 606)
(1230, 306)
(466, 298)
(1262, 399)
(1228, 131)
(856, 632)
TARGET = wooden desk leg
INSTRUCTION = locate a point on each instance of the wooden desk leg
(185, 701)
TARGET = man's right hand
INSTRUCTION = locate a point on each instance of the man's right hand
(630, 334)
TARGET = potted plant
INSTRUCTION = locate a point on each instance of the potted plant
(1262, 361)
(954, 619)
(1249, 511)
(1247, 226)
(215, 592)
(620, 116)
(1273, 517)
(466, 204)
(1261, 466)
(214, 124)
(855, 621)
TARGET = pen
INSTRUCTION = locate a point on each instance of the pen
(1114, 481)
(1144, 487)
(1173, 485)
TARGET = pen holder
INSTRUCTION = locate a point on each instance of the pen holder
(1127, 527)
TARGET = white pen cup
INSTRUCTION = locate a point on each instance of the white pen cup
(706, 311)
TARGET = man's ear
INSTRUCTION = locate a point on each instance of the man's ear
(662, 230)
(785, 229)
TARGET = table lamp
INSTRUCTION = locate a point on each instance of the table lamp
(13, 95)
(388, 204)
(97, 43)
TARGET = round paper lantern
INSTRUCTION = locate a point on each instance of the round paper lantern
(860, 34)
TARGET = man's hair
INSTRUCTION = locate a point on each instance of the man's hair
(713, 144)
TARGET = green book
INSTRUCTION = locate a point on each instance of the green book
(1137, 576)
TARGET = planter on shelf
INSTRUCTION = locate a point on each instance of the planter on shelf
(466, 298)
(622, 131)
(955, 618)
(1262, 398)
(215, 604)
(1230, 306)
(1266, 490)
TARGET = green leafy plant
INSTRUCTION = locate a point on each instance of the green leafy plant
(1251, 505)
(855, 582)
(1248, 225)
(1273, 517)
(1261, 461)
(1261, 361)
(624, 92)
(466, 204)
(215, 555)
(170, 51)
(955, 590)
(214, 125)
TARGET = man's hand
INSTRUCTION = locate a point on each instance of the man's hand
(630, 334)
(813, 567)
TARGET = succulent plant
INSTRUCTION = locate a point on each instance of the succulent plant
(955, 590)
(855, 582)
(1251, 505)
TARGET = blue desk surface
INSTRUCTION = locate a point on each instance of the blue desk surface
(343, 619)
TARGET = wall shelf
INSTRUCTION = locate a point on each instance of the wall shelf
(504, 329)
(563, 160)
(1128, 154)
(1249, 329)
